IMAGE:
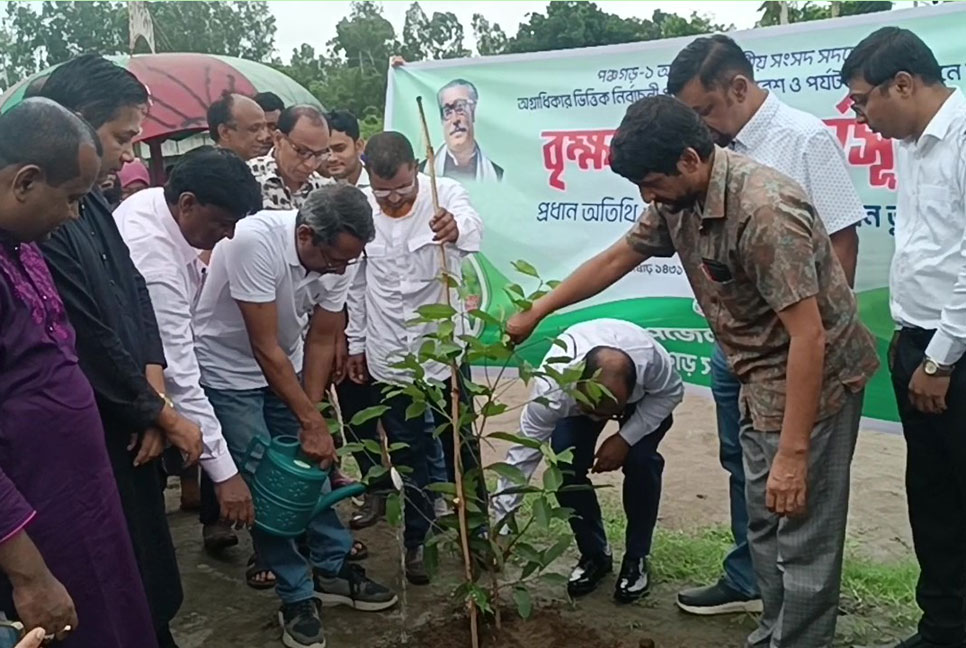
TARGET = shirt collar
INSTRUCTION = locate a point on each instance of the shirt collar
(171, 228)
(941, 122)
(291, 254)
(714, 201)
(756, 131)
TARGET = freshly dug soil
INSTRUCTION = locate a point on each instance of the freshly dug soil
(545, 629)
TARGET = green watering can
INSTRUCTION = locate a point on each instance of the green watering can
(287, 486)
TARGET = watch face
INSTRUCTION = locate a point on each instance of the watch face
(930, 368)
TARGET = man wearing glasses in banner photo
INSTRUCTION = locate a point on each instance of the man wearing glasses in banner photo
(461, 157)
(292, 169)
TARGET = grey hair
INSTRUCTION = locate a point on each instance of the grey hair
(336, 208)
(457, 83)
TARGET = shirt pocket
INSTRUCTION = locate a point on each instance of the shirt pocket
(425, 262)
(940, 216)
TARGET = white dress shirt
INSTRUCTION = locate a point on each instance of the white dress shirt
(802, 147)
(401, 272)
(174, 275)
(658, 391)
(927, 281)
(259, 265)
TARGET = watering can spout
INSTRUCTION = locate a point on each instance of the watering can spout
(332, 498)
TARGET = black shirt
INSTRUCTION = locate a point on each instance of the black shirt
(109, 307)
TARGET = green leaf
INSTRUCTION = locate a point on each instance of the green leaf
(398, 445)
(394, 509)
(447, 488)
(553, 283)
(554, 579)
(527, 552)
(541, 512)
(375, 473)
(511, 473)
(485, 317)
(492, 408)
(372, 446)
(522, 303)
(557, 342)
(556, 550)
(529, 569)
(523, 267)
(431, 558)
(513, 290)
(368, 414)
(415, 409)
(526, 442)
(521, 596)
(552, 479)
(436, 311)
(446, 329)
(566, 457)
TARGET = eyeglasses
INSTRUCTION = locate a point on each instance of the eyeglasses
(461, 107)
(307, 154)
(332, 264)
(859, 100)
(402, 192)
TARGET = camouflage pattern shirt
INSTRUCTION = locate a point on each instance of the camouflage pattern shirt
(275, 194)
(756, 248)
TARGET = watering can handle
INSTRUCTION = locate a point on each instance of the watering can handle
(332, 498)
(246, 467)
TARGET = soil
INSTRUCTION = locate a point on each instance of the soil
(221, 612)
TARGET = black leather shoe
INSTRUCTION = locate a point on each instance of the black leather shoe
(372, 511)
(633, 582)
(588, 573)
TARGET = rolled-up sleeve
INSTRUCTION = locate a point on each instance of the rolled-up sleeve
(650, 236)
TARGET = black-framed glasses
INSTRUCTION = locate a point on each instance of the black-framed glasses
(306, 154)
(461, 107)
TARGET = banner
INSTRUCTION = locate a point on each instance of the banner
(537, 127)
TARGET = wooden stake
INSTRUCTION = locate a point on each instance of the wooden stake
(460, 502)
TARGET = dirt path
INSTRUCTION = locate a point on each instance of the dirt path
(221, 612)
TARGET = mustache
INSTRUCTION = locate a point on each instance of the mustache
(457, 129)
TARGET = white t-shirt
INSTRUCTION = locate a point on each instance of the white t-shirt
(259, 265)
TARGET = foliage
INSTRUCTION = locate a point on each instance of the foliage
(36, 38)
(805, 11)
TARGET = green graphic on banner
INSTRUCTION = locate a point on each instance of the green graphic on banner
(528, 135)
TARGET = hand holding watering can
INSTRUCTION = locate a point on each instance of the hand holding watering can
(289, 487)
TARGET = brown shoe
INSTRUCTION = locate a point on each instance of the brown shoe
(415, 568)
(218, 536)
(373, 510)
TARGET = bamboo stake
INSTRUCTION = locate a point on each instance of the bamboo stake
(454, 393)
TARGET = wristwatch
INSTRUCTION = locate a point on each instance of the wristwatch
(167, 401)
(932, 368)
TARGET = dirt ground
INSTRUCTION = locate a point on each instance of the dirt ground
(221, 612)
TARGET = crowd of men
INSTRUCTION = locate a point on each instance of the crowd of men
(280, 269)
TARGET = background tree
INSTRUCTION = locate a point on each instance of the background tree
(805, 11)
(490, 39)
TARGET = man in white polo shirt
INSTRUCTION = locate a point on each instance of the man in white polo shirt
(713, 76)
(283, 273)
(640, 374)
(208, 192)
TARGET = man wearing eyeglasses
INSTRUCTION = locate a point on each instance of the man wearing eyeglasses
(290, 171)
(285, 273)
(401, 273)
(461, 157)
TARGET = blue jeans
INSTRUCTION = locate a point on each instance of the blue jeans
(244, 415)
(739, 573)
(643, 470)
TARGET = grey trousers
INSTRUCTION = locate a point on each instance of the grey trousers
(798, 561)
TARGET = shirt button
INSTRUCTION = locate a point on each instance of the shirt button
(50, 329)
(44, 297)
(103, 257)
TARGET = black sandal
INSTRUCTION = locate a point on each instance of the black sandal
(253, 571)
(358, 552)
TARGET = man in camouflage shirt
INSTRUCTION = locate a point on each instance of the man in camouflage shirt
(290, 171)
(764, 273)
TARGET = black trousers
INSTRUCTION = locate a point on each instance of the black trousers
(354, 398)
(936, 492)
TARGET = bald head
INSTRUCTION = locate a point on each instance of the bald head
(237, 123)
(49, 158)
(613, 370)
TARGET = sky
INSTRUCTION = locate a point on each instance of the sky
(313, 22)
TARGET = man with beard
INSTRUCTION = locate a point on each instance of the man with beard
(461, 157)
(763, 270)
(118, 344)
(713, 76)
(63, 538)
(239, 124)
(896, 87)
